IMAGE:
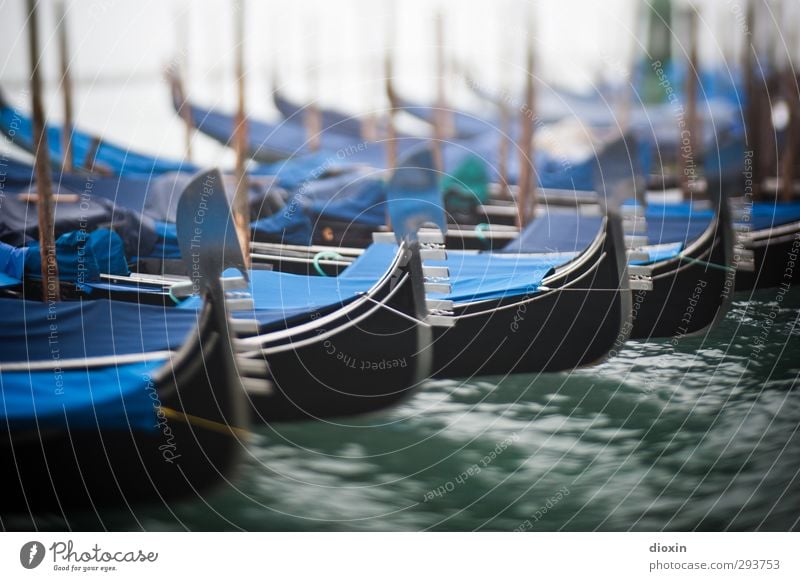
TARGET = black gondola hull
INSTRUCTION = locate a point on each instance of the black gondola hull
(690, 292)
(775, 258)
(351, 361)
(189, 450)
(576, 323)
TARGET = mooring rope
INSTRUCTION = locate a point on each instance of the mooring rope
(708, 264)
(325, 254)
(480, 231)
(206, 424)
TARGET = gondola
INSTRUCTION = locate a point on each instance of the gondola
(763, 227)
(662, 273)
(649, 325)
(273, 143)
(91, 153)
(518, 314)
(598, 109)
(464, 124)
(507, 298)
(331, 120)
(98, 157)
(267, 142)
(328, 347)
(666, 274)
(552, 105)
(692, 290)
(576, 317)
(683, 283)
(142, 210)
(124, 410)
(559, 111)
(341, 346)
(768, 251)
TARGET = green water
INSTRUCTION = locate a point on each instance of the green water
(699, 435)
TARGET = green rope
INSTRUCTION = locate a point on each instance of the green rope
(480, 230)
(708, 264)
(175, 299)
(324, 254)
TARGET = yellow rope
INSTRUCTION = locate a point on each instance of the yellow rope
(206, 423)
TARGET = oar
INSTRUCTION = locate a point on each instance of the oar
(371, 68)
(769, 85)
(689, 153)
(180, 100)
(66, 87)
(388, 64)
(504, 147)
(628, 93)
(50, 285)
(181, 63)
(441, 116)
(313, 114)
(792, 96)
(241, 206)
(526, 199)
(753, 101)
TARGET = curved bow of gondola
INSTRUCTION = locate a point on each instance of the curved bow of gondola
(692, 290)
(578, 315)
(374, 349)
(332, 120)
(360, 357)
(92, 153)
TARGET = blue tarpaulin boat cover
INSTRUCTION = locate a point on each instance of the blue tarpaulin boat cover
(281, 296)
(472, 276)
(116, 396)
(87, 150)
(556, 230)
(295, 172)
(475, 277)
(12, 264)
(770, 214)
(82, 257)
(7, 281)
(357, 197)
(268, 141)
(88, 328)
(287, 226)
(669, 226)
(335, 121)
(19, 224)
(155, 197)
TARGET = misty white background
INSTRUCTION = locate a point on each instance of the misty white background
(119, 49)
